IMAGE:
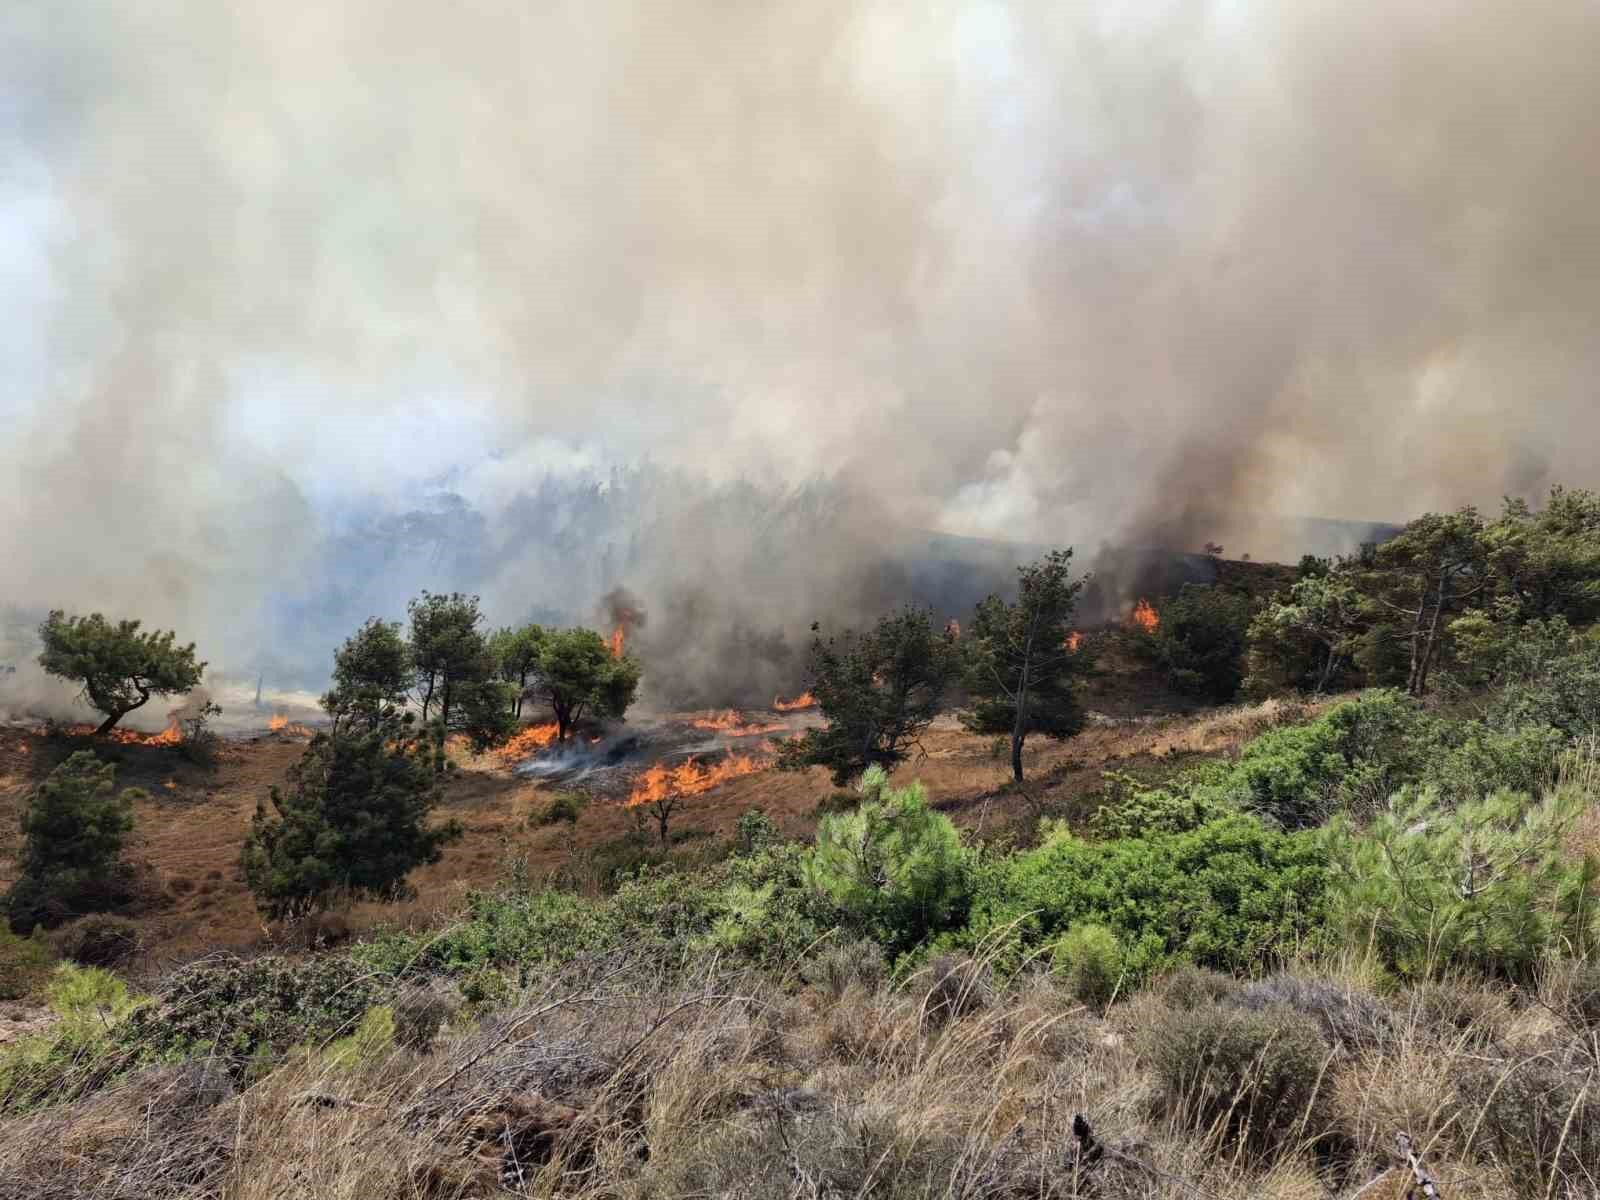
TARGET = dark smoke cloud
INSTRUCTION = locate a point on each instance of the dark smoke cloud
(284, 279)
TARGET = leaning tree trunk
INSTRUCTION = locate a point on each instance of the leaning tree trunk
(117, 714)
(110, 722)
(1327, 670)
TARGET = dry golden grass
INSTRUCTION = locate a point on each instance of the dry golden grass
(605, 1084)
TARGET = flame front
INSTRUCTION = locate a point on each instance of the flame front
(689, 778)
(618, 637)
(278, 723)
(1146, 617)
(1074, 640)
(733, 724)
(528, 741)
(803, 700)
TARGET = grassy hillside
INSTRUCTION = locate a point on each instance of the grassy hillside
(1236, 997)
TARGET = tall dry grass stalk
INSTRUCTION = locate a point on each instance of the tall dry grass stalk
(606, 1083)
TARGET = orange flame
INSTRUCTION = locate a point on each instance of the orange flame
(1145, 616)
(1074, 640)
(170, 736)
(689, 778)
(528, 740)
(732, 724)
(803, 700)
(278, 723)
(618, 637)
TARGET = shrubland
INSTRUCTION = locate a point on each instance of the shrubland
(1248, 976)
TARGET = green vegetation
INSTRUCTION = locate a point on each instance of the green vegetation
(24, 962)
(892, 865)
(1249, 971)
(119, 667)
(372, 672)
(1231, 894)
(1486, 885)
(448, 650)
(577, 675)
(1200, 641)
(73, 831)
(878, 690)
(516, 654)
(351, 824)
(1449, 596)
(1021, 665)
(562, 806)
(1089, 960)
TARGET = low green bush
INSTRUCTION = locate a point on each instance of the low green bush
(88, 1000)
(1254, 1078)
(1089, 960)
(234, 1009)
(1131, 810)
(563, 806)
(1231, 894)
(98, 940)
(1487, 886)
(25, 962)
(756, 907)
(894, 866)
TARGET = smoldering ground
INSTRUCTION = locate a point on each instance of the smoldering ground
(284, 277)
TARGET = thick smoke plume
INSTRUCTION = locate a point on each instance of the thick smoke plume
(312, 304)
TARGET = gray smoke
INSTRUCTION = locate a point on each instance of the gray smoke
(286, 278)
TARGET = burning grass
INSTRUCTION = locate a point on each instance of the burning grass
(690, 777)
(733, 724)
(527, 741)
(281, 725)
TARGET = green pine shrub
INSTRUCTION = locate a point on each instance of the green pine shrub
(893, 866)
(73, 831)
(1487, 886)
(1089, 960)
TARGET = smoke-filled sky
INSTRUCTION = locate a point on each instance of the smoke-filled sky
(1043, 271)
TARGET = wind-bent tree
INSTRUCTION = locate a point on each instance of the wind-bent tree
(447, 649)
(878, 691)
(351, 824)
(372, 671)
(578, 676)
(516, 654)
(119, 667)
(1422, 578)
(1546, 563)
(1021, 669)
(72, 835)
(1307, 636)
